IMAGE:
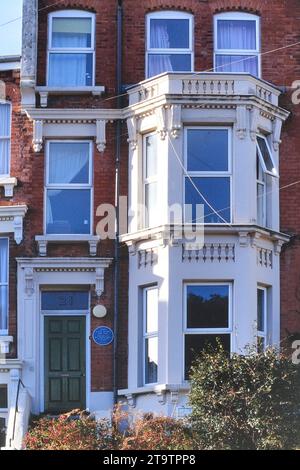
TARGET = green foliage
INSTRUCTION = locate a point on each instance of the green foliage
(245, 402)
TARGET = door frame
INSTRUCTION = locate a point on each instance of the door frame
(64, 313)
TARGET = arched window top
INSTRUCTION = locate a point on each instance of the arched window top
(71, 48)
(237, 42)
(170, 42)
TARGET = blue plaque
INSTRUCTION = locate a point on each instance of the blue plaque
(103, 336)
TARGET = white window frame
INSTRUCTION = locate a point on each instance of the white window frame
(170, 15)
(205, 331)
(7, 137)
(71, 50)
(263, 334)
(233, 16)
(146, 335)
(274, 174)
(263, 184)
(210, 174)
(54, 186)
(148, 181)
(6, 284)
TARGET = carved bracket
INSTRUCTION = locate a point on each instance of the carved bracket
(132, 125)
(241, 118)
(101, 134)
(131, 399)
(161, 117)
(37, 141)
(18, 229)
(254, 117)
(99, 281)
(161, 396)
(175, 123)
(29, 281)
(277, 125)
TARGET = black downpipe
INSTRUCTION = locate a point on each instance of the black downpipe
(117, 194)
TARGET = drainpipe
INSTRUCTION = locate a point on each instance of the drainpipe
(117, 194)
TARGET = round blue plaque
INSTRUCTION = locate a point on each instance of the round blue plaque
(103, 336)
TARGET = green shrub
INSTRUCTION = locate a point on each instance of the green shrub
(245, 402)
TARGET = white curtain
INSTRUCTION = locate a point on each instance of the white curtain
(4, 138)
(159, 39)
(236, 34)
(237, 63)
(69, 163)
(70, 70)
(3, 283)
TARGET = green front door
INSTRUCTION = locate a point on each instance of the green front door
(65, 355)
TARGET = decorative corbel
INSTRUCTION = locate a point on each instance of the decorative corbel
(18, 229)
(241, 121)
(174, 397)
(175, 120)
(101, 134)
(37, 141)
(278, 244)
(2, 90)
(132, 126)
(161, 117)
(29, 282)
(277, 125)
(131, 400)
(254, 116)
(244, 239)
(161, 397)
(254, 239)
(99, 282)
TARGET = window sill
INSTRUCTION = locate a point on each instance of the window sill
(4, 343)
(45, 91)
(160, 390)
(43, 240)
(8, 184)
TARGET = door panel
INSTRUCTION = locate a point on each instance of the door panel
(65, 357)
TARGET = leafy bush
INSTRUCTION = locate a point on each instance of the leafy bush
(245, 402)
(157, 433)
(77, 431)
(68, 432)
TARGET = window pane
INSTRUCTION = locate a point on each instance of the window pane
(69, 163)
(71, 32)
(261, 344)
(207, 306)
(68, 211)
(237, 64)
(70, 70)
(4, 120)
(151, 205)
(3, 260)
(3, 307)
(151, 360)
(216, 191)
(194, 344)
(261, 205)
(207, 150)
(267, 158)
(3, 396)
(169, 34)
(236, 34)
(151, 156)
(159, 63)
(151, 310)
(2, 432)
(67, 300)
(261, 310)
(4, 156)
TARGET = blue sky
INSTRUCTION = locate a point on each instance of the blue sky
(10, 34)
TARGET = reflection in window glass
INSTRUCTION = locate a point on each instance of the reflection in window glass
(207, 306)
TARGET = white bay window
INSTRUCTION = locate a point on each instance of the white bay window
(71, 49)
(237, 43)
(208, 174)
(169, 42)
(69, 188)
(5, 131)
(208, 320)
(4, 285)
